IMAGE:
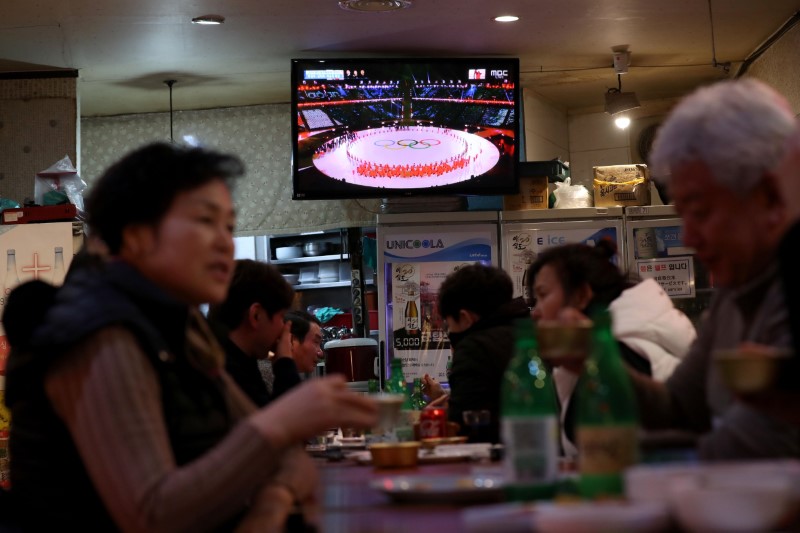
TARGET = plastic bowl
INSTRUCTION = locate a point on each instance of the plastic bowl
(395, 454)
(734, 501)
(292, 279)
(749, 370)
(288, 252)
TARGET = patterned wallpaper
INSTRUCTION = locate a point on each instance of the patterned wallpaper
(259, 135)
(38, 121)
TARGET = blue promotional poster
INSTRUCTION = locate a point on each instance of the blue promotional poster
(415, 264)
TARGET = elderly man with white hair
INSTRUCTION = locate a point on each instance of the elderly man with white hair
(717, 154)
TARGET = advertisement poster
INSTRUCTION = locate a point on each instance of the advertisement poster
(525, 244)
(32, 251)
(675, 275)
(415, 265)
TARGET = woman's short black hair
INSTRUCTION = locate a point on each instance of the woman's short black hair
(140, 187)
(578, 264)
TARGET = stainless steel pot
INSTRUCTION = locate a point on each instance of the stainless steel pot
(313, 249)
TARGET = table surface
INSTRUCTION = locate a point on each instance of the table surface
(350, 505)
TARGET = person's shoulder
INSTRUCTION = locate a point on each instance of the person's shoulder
(25, 309)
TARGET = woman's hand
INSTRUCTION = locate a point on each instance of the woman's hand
(313, 407)
(431, 387)
(294, 487)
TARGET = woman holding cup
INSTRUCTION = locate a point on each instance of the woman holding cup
(578, 280)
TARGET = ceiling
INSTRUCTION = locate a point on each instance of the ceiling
(125, 49)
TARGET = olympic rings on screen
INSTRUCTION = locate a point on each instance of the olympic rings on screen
(414, 144)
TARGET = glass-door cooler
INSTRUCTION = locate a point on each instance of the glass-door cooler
(656, 250)
(525, 234)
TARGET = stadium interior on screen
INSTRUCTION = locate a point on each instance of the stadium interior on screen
(381, 128)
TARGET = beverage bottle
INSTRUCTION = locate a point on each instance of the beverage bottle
(529, 420)
(373, 386)
(417, 400)
(607, 421)
(397, 381)
(404, 430)
(58, 266)
(12, 279)
(526, 288)
(412, 315)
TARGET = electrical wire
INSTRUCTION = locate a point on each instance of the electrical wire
(772, 39)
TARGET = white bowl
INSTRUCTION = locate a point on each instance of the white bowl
(288, 252)
(732, 501)
(600, 516)
(292, 279)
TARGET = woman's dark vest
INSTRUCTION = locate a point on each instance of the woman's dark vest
(50, 486)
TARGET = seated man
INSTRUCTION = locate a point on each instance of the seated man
(305, 334)
(718, 154)
(253, 313)
(478, 307)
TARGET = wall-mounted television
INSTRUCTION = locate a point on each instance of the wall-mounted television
(381, 127)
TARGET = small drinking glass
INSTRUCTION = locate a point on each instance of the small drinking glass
(478, 422)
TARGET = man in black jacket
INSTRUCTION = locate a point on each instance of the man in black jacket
(477, 304)
(253, 314)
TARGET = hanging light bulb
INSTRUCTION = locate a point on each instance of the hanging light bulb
(622, 121)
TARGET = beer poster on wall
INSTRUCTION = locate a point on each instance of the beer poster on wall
(32, 251)
(523, 245)
(415, 266)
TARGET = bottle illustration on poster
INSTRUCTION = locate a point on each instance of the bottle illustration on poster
(12, 278)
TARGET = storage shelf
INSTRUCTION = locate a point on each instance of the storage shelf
(310, 286)
(317, 259)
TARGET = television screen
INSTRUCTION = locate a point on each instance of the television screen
(378, 128)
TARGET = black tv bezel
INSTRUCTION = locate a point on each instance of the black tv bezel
(353, 191)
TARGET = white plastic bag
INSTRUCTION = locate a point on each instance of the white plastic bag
(61, 177)
(568, 195)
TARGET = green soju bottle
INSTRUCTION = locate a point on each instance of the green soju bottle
(529, 420)
(404, 431)
(607, 421)
(397, 382)
(417, 400)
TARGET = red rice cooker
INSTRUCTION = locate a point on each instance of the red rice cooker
(356, 358)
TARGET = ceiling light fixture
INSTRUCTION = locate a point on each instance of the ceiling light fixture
(506, 18)
(208, 19)
(374, 5)
(618, 102)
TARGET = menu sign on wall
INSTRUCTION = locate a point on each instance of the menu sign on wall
(675, 275)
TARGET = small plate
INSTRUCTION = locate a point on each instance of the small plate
(439, 441)
(351, 440)
(441, 489)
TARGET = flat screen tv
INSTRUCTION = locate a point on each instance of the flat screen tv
(381, 128)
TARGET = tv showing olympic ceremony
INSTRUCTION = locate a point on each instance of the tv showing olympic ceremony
(380, 128)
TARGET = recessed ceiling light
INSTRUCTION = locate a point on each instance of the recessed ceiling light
(208, 19)
(506, 18)
(374, 5)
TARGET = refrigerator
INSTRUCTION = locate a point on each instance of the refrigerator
(416, 252)
(30, 251)
(525, 234)
(657, 251)
(34, 251)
